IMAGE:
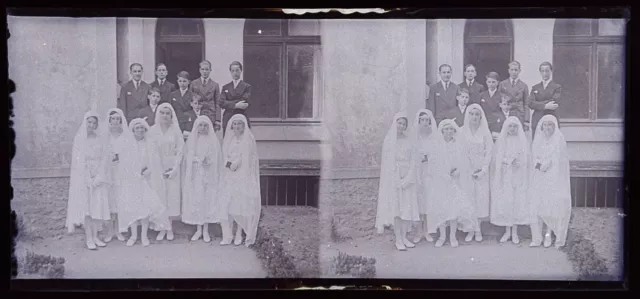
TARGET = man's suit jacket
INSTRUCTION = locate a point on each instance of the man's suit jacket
(490, 104)
(496, 119)
(211, 92)
(474, 91)
(132, 100)
(440, 101)
(181, 104)
(455, 114)
(189, 117)
(149, 113)
(165, 90)
(539, 97)
(230, 96)
(519, 94)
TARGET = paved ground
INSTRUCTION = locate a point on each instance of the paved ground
(486, 260)
(180, 258)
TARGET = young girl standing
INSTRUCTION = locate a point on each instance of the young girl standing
(140, 203)
(119, 138)
(509, 205)
(202, 163)
(168, 138)
(88, 203)
(241, 181)
(550, 189)
(426, 140)
(450, 203)
(479, 148)
(397, 199)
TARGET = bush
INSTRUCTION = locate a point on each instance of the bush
(43, 265)
(271, 253)
(586, 261)
(356, 266)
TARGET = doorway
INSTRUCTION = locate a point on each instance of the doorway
(488, 44)
(180, 46)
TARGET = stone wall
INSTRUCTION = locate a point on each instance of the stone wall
(61, 67)
(373, 69)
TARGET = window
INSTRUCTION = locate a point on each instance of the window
(588, 61)
(488, 44)
(282, 62)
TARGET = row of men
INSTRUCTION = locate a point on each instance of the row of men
(139, 99)
(543, 99)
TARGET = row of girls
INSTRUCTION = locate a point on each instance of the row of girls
(126, 176)
(449, 176)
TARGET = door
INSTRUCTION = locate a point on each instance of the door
(180, 46)
(488, 44)
(180, 56)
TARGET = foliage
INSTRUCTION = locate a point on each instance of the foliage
(43, 265)
(271, 253)
(356, 266)
(586, 261)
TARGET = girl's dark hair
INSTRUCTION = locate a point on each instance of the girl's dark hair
(94, 117)
(422, 114)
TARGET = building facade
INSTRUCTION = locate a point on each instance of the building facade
(323, 90)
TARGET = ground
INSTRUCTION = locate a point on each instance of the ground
(486, 260)
(179, 258)
(42, 204)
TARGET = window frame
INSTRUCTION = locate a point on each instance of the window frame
(593, 41)
(283, 41)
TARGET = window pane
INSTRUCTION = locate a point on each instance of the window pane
(262, 71)
(304, 80)
(304, 27)
(572, 27)
(611, 81)
(487, 28)
(263, 27)
(610, 27)
(571, 67)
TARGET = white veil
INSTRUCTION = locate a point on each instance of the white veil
(483, 132)
(449, 192)
(558, 185)
(387, 191)
(77, 205)
(212, 173)
(251, 168)
(520, 177)
(432, 142)
(174, 130)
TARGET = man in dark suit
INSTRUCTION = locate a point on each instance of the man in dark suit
(544, 96)
(181, 98)
(190, 116)
(149, 111)
(490, 98)
(474, 88)
(133, 94)
(497, 118)
(234, 98)
(442, 94)
(209, 89)
(165, 87)
(519, 91)
(457, 112)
